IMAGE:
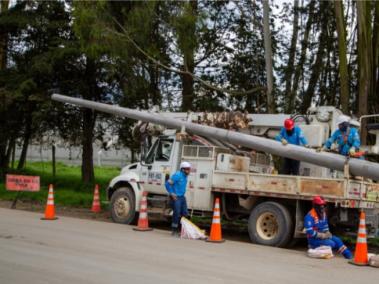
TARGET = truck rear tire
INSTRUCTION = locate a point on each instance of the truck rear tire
(270, 224)
(123, 206)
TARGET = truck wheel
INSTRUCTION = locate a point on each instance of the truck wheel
(123, 208)
(270, 224)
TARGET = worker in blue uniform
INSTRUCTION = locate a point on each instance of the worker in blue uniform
(317, 229)
(291, 134)
(346, 137)
(176, 187)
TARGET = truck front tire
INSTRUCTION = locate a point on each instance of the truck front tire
(123, 209)
(270, 224)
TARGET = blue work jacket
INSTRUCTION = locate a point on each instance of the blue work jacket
(344, 140)
(297, 137)
(177, 184)
(314, 224)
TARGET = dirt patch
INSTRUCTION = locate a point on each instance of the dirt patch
(6, 237)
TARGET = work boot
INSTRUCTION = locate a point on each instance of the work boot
(347, 254)
(175, 232)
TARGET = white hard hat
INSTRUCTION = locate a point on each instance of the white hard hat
(185, 165)
(342, 119)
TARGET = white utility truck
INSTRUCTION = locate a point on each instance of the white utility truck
(245, 180)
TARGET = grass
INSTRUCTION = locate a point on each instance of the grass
(69, 190)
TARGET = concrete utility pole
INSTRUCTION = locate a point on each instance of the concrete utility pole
(333, 161)
(268, 56)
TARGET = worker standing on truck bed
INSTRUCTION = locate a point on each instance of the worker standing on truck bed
(317, 229)
(176, 187)
(346, 137)
(291, 134)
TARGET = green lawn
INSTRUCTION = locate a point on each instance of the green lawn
(68, 187)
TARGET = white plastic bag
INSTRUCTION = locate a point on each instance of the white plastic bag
(190, 230)
(373, 260)
(321, 252)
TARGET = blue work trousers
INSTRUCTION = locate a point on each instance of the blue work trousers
(334, 242)
(179, 207)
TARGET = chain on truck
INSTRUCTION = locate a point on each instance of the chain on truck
(237, 165)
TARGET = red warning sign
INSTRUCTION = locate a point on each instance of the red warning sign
(22, 183)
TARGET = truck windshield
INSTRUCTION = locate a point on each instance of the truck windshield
(160, 151)
(150, 156)
(164, 150)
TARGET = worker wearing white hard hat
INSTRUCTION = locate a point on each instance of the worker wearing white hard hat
(346, 137)
(176, 187)
(342, 119)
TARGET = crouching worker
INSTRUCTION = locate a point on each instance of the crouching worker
(317, 229)
(176, 187)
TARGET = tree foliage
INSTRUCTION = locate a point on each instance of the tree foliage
(179, 55)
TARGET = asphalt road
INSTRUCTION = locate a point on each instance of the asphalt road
(79, 251)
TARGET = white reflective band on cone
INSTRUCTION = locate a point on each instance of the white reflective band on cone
(216, 213)
(361, 240)
(50, 202)
(143, 215)
(216, 221)
(362, 231)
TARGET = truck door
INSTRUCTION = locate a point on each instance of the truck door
(158, 162)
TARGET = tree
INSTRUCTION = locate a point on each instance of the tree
(375, 62)
(317, 67)
(34, 40)
(303, 56)
(268, 57)
(365, 58)
(343, 69)
(4, 143)
(288, 76)
(185, 26)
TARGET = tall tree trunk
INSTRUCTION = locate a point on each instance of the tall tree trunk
(154, 85)
(10, 151)
(291, 58)
(364, 61)
(268, 56)
(304, 46)
(90, 92)
(153, 68)
(3, 60)
(375, 49)
(25, 144)
(318, 64)
(343, 71)
(3, 38)
(88, 174)
(189, 65)
(3, 153)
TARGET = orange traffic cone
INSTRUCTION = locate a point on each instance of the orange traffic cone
(50, 208)
(143, 222)
(216, 235)
(360, 256)
(96, 208)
